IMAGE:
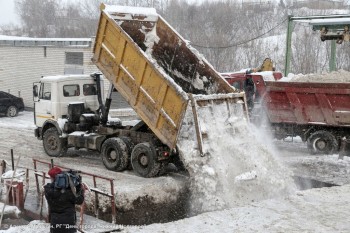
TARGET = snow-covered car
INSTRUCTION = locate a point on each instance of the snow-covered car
(10, 105)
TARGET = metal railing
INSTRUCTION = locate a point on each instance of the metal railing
(95, 190)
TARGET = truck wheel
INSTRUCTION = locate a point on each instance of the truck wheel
(322, 142)
(12, 111)
(144, 160)
(114, 154)
(54, 145)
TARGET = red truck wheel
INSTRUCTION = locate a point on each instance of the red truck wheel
(322, 142)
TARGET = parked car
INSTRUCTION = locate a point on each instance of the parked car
(10, 105)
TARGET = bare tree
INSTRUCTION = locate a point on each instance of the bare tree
(231, 34)
(37, 16)
(11, 30)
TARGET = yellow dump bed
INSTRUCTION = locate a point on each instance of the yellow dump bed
(154, 68)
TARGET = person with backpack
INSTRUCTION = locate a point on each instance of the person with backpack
(62, 194)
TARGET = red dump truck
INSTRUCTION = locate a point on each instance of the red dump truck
(317, 112)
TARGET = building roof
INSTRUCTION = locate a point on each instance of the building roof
(30, 41)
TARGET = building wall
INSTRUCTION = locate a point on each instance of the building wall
(21, 66)
(319, 4)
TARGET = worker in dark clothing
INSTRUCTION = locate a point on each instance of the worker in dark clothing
(61, 202)
(250, 89)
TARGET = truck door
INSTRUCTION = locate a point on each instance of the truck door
(42, 104)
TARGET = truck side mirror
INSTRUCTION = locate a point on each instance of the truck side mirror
(35, 91)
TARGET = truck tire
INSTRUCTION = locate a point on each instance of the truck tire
(322, 142)
(144, 160)
(12, 111)
(54, 146)
(114, 154)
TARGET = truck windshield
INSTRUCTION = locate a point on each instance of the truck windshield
(45, 92)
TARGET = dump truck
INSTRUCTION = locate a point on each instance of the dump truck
(318, 112)
(157, 72)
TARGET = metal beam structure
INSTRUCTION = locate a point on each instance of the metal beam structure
(331, 22)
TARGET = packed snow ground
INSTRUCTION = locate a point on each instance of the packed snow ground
(18, 134)
(314, 210)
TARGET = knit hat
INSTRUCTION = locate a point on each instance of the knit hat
(54, 171)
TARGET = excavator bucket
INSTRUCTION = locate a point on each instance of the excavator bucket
(266, 66)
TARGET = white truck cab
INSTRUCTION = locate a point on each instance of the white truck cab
(53, 94)
(52, 97)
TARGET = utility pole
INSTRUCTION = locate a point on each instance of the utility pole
(288, 45)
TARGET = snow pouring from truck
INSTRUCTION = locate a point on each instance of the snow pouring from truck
(229, 164)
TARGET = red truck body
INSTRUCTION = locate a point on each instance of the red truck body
(237, 79)
(308, 103)
(317, 112)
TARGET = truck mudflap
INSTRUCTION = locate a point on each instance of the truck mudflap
(153, 67)
(344, 147)
(206, 111)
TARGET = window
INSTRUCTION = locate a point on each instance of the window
(89, 89)
(71, 90)
(45, 91)
(236, 85)
(75, 58)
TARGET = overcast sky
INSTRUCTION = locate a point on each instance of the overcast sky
(8, 15)
(7, 12)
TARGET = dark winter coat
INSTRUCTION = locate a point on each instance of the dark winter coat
(62, 208)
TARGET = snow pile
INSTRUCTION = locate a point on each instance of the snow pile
(19, 175)
(150, 39)
(158, 190)
(340, 76)
(10, 210)
(315, 210)
(325, 168)
(130, 13)
(34, 226)
(238, 166)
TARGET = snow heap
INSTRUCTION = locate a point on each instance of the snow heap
(150, 39)
(238, 168)
(34, 226)
(18, 176)
(340, 76)
(10, 210)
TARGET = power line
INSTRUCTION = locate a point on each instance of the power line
(242, 42)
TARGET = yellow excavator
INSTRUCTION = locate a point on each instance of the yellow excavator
(267, 65)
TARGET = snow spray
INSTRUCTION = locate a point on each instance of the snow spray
(239, 167)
